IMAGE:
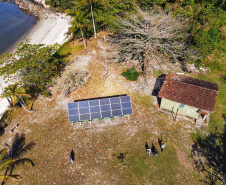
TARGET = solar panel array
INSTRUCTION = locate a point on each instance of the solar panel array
(99, 108)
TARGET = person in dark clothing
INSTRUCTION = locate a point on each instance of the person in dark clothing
(155, 153)
(160, 142)
(152, 148)
(72, 155)
(146, 145)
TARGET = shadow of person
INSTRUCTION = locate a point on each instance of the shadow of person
(122, 156)
(72, 155)
(152, 148)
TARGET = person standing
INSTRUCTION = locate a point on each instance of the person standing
(146, 145)
(72, 155)
(153, 148)
(162, 147)
(148, 151)
(160, 142)
(155, 153)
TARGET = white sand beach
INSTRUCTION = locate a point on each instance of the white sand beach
(49, 30)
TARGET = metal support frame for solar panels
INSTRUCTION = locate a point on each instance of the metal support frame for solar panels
(79, 112)
(121, 106)
(89, 113)
(100, 109)
(110, 106)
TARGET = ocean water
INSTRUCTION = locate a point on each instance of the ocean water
(14, 24)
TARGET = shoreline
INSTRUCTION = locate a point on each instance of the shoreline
(50, 28)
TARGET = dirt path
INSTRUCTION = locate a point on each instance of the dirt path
(181, 157)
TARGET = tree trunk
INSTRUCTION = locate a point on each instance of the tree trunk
(36, 97)
(94, 28)
(30, 111)
(83, 37)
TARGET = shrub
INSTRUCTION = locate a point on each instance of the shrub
(71, 80)
(131, 74)
(207, 41)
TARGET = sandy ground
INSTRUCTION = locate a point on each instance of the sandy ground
(52, 28)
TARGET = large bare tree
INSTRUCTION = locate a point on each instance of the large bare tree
(152, 35)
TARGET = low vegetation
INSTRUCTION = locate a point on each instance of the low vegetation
(131, 74)
(70, 80)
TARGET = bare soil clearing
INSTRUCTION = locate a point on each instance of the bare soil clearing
(97, 146)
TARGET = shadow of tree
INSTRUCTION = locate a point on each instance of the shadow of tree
(5, 120)
(15, 152)
(209, 156)
(158, 84)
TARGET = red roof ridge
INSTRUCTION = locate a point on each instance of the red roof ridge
(193, 84)
(172, 75)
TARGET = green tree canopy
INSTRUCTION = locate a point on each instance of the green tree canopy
(31, 65)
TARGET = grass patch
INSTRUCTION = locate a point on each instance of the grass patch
(131, 74)
(217, 118)
(68, 49)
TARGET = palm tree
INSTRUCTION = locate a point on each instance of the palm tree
(82, 3)
(94, 28)
(14, 93)
(5, 164)
(78, 24)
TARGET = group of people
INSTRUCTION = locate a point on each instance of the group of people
(153, 149)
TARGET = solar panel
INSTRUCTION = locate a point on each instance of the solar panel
(95, 115)
(126, 105)
(72, 105)
(125, 99)
(105, 108)
(116, 107)
(99, 108)
(115, 100)
(74, 118)
(95, 109)
(104, 101)
(116, 112)
(94, 102)
(84, 110)
(127, 111)
(83, 104)
(106, 114)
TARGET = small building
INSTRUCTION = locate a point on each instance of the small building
(187, 96)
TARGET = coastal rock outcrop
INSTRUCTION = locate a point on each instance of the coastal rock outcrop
(35, 7)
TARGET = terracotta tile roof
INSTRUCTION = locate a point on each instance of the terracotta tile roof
(189, 91)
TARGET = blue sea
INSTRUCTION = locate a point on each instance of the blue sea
(14, 24)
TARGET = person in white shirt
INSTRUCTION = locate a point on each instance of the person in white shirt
(162, 147)
(148, 151)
